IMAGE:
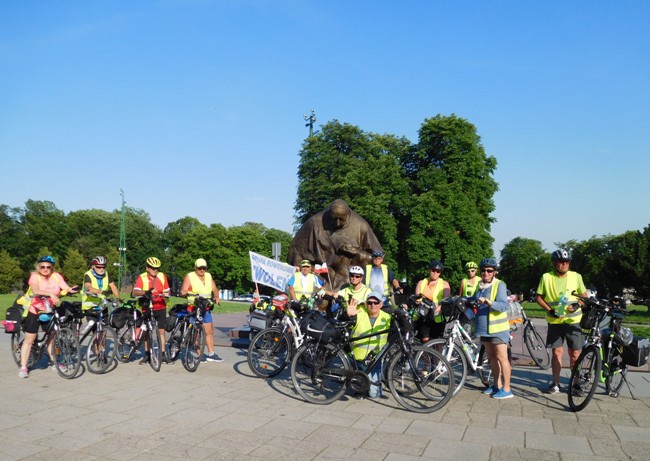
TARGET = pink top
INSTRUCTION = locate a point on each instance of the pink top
(52, 284)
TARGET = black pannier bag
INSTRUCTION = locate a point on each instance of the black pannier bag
(316, 326)
(636, 354)
(117, 319)
(176, 313)
(14, 318)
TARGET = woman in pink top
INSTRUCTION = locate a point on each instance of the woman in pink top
(43, 282)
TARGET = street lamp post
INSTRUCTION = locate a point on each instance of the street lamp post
(310, 119)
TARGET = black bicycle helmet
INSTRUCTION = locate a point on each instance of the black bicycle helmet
(561, 255)
(437, 265)
(98, 261)
(488, 262)
(46, 259)
(377, 254)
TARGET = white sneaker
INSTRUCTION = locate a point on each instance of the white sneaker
(23, 373)
(552, 389)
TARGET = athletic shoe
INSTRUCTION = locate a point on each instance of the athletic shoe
(213, 358)
(502, 394)
(144, 360)
(23, 373)
(491, 390)
(552, 389)
(577, 391)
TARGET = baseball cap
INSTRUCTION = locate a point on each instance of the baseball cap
(375, 294)
(304, 263)
(200, 263)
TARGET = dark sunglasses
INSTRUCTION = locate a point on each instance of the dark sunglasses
(372, 303)
(489, 271)
(435, 270)
(153, 268)
(100, 267)
(45, 267)
(355, 276)
(202, 268)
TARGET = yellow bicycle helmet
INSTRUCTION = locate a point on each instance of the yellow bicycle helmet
(153, 262)
(471, 265)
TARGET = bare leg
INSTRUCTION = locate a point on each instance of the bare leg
(209, 337)
(501, 352)
(556, 363)
(26, 348)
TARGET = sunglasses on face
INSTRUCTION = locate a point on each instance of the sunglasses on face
(100, 267)
(489, 271)
(435, 270)
(202, 268)
(355, 276)
(153, 268)
(471, 270)
(372, 303)
(45, 267)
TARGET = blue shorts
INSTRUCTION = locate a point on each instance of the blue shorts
(207, 317)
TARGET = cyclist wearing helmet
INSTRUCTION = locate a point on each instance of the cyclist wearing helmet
(304, 282)
(43, 282)
(434, 288)
(379, 277)
(355, 289)
(97, 283)
(200, 282)
(563, 314)
(493, 327)
(469, 284)
(155, 281)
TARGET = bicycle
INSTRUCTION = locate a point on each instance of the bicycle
(101, 349)
(139, 328)
(419, 378)
(271, 348)
(602, 358)
(187, 333)
(66, 348)
(457, 345)
(533, 340)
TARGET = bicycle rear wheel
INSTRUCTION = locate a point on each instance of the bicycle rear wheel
(584, 378)
(67, 353)
(484, 370)
(155, 359)
(193, 350)
(125, 345)
(537, 347)
(17, 338)
(101, 350)
(421, 380)
(456, 358)
(268, 352)
(615, 375)
(318, 373)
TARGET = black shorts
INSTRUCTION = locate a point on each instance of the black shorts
(31, 324)
(161, 317)
(430, 329)
(559, 332)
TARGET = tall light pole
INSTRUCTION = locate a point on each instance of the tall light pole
(121, 270)
(310, 119)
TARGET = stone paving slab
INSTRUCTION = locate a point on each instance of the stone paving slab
(222, 412)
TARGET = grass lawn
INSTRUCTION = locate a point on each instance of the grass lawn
(227, 307)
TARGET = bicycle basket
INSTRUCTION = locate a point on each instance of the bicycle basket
(589, 318)
(319, 328)
(117, 319)
(515, 312)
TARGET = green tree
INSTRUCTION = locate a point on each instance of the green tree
(143, 239)
(11, 274)
(44, 225)
(74, 266)
(12, 235)
(523, 261)
(94, 232)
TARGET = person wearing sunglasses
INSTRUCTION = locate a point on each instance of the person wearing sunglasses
(555, 294)
(97, 284)
(304, 283)
(493, 327)
(380, 277)
(436, 289)
(200, 282)
(369, 319)
(355, 289)
(470, 283)
(44, 282)
(153, 279)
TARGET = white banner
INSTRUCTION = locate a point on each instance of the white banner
(269, 272)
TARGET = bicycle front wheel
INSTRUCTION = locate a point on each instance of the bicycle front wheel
(615, 375)
(17, 338)
(484, 369)
(194, 346)
(268, 352)
(155, 350)
(318, 373)
(101, 350)
(537, 347)
(584, 378)
(421, 380)
(456, 358)
(125, 345)
(67, 353)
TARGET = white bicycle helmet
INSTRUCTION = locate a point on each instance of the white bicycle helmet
(356, 270)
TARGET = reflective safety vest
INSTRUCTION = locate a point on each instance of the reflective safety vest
(552, 295)
(436, 295)
(361, 348)
(468, 290)
(384, 273)
(89, 300)
(199, 287)
(360, 295)
(308, 290)
(145, 287)
(497, 321)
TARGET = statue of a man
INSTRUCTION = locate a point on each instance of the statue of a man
(337, 236)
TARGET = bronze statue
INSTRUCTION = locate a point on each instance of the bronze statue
(337, 236)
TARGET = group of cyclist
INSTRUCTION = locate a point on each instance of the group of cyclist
(370, 289)
(45, 286)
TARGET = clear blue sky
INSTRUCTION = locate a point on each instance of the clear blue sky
(195, 108)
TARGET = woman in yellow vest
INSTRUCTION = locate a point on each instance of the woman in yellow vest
(200, 282)
(436, 289)
(469, 285)
(493, 327)
(369, 319)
